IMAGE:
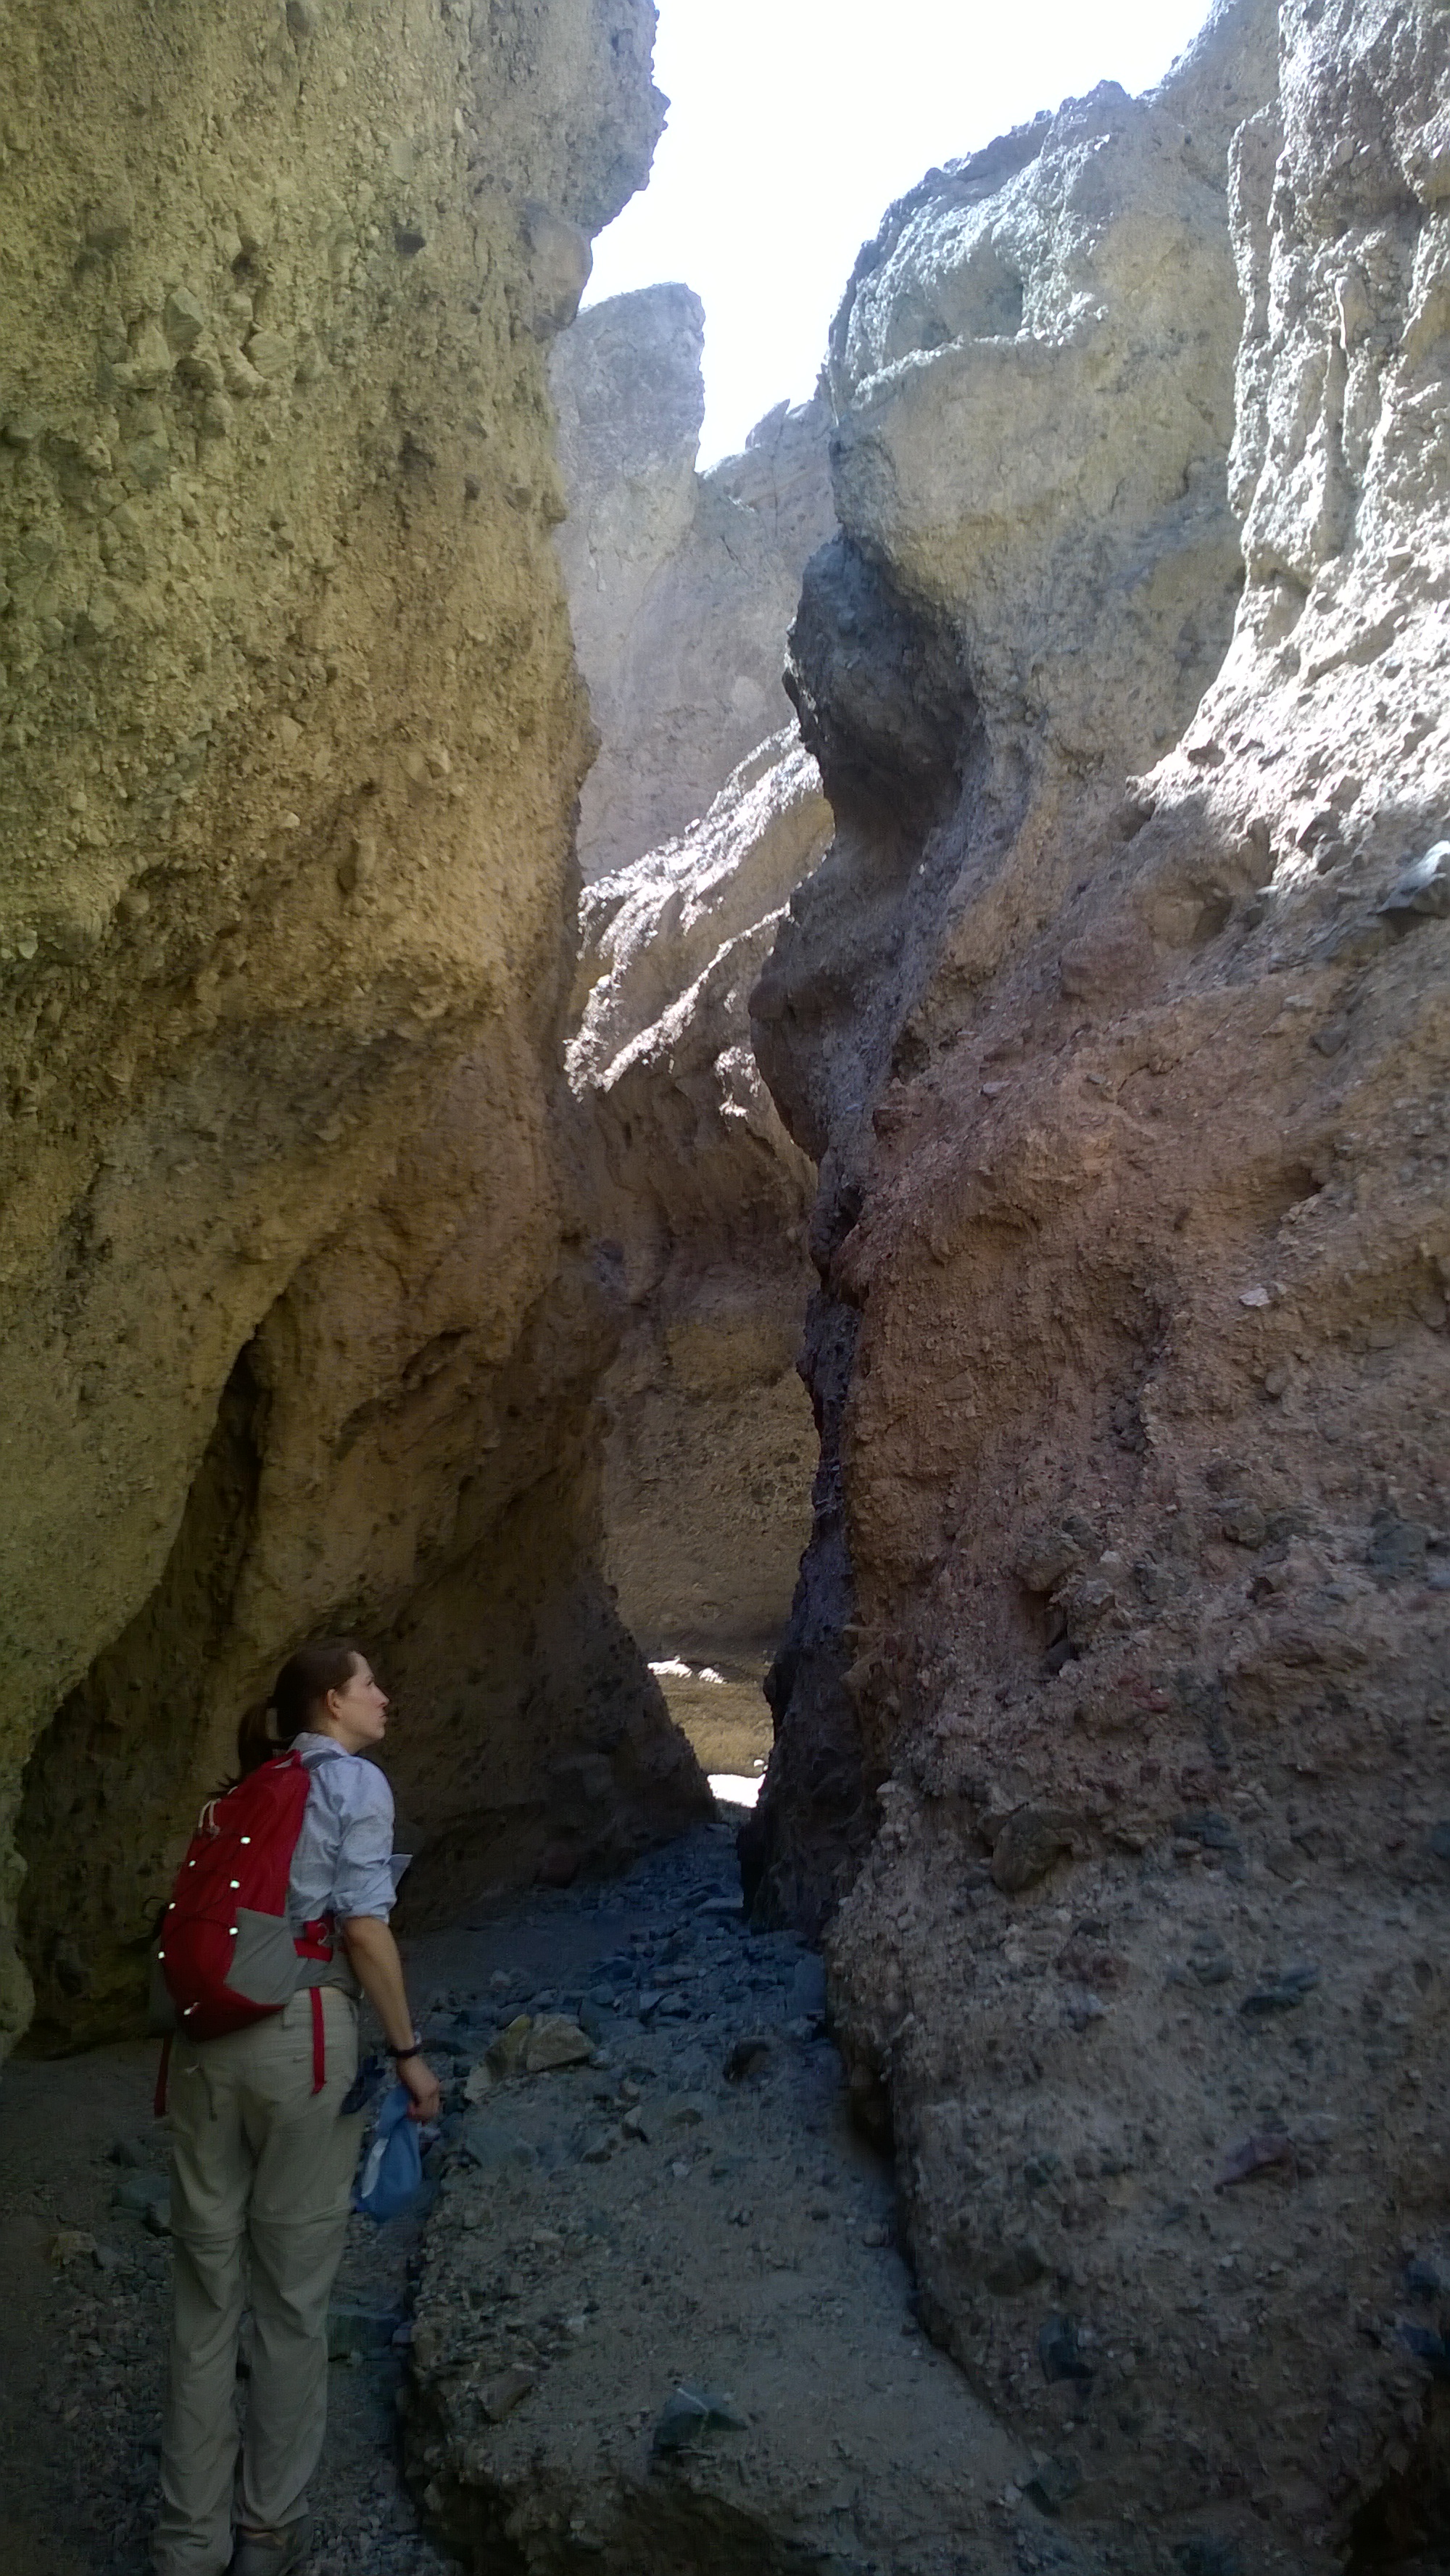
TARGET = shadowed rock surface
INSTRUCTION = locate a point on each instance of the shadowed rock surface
(711, 1444)
(700, 816)
(1120, 1653)
(292, 1337)
(961, 733)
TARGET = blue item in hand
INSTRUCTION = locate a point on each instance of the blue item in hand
(392, 2168)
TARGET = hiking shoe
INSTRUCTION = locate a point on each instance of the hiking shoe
(271, 2553)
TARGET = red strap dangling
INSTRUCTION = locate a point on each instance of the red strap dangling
(319, 2042)
(158, 2098)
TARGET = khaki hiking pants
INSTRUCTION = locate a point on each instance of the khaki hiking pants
(261, 2170)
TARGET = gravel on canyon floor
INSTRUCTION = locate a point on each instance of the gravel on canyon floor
(85, 2267)
(660, 2321)
(648, 2317)
(684, 2209)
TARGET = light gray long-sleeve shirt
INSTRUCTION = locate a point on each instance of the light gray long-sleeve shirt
(344, 1863)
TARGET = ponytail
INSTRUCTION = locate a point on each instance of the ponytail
(256, 1742)
(298, 1693)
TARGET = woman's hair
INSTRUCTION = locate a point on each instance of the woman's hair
(300, 1688)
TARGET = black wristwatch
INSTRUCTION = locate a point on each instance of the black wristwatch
(415, 2049)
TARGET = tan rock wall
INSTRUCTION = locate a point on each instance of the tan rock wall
(701, 814)
(711, 1448)
(681, 585)
(292, 738)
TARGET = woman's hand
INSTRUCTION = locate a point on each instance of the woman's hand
(422, 2083)
(374, 1955)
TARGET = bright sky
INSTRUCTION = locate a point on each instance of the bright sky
(794, 123)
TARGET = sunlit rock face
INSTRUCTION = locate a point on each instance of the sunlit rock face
(681, 585)
(1033, 376)
(292, 741)
(701, 815)
(1116, 1016)
(1035, 575)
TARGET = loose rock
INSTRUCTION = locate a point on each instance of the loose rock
(1027, 1846)
(555, 2041)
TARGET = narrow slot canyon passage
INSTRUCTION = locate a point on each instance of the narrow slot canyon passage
(780, 1126)
(648, 2177)
(726, 1718)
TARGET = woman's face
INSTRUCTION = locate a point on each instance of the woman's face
(358, 1714)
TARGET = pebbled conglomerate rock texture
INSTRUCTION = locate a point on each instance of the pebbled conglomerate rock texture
(295, 1336)
(1116, 1016)
(1034, 577)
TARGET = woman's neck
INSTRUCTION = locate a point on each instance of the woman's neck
(337, 1731)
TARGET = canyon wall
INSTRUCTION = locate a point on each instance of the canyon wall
(1112, 1723)
(701, 814)
(711, 1446)
(299, 1332)
(681, 585)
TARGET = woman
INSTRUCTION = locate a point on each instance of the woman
(262, 2165)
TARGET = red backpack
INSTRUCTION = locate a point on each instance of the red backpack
(227, 1956)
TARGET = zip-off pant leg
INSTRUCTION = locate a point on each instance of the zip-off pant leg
(261, 2167)
(296, 2230)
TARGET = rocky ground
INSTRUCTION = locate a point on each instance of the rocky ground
(653, 2316)
(687, 2207)
(660, 2321)
(84, 2279)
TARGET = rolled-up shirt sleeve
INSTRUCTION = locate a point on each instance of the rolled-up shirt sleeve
(343, 1863)
(362, 1874)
